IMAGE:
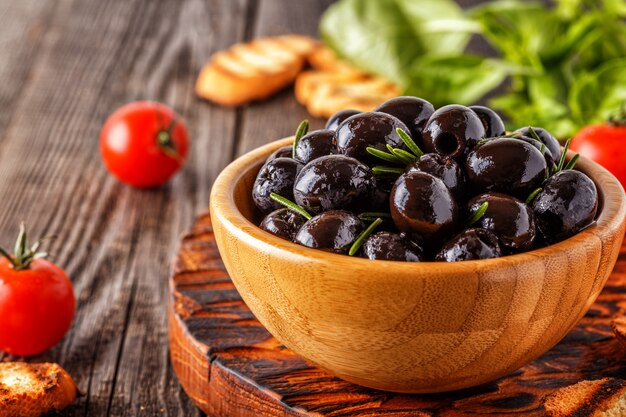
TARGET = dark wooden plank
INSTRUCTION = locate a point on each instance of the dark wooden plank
(251, 374)
(115, 242)
(279, 116)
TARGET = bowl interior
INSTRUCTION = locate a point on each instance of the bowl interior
(243, 203)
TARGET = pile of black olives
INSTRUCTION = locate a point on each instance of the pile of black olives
(408, 182)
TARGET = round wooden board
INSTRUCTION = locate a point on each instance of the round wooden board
(231, 366)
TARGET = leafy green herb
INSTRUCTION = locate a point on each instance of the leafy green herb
(478, 214)
(359, 240)
(383, 170)
(564, 65)
(408, 141)
(290, 205)
(302, 130)
(389, 157)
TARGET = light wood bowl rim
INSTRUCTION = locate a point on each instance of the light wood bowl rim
(224, 208)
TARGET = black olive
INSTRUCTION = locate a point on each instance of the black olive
(412, 111)
(423, 207)
(338, 118)
(470, 244)
(334, 230)
(550, 141)
(451, 130)
(508, 218)
(547, 155)
(276, 176)
(379, 194)
(507, 165)
(390, 246)
(494, 126)
(332, 182)
(442, 167)
(567, 204)
(283, 223)
(377, 130)
(315, 144)
(284, 152)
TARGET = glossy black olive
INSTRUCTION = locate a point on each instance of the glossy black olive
(315, 144)
(332, 182)
(334, 230)
(470, 244)
(547, 155)
(276, 176)
(442, 167)
(494, 126)
(451, 130)
(567, 204)
(390, 246)
(423, 207)
(284, 152)
(283, 223)
(377, 130)
(508, 218)
(508, 165)
(550, 141)
(379, 194)
(338, 118)
(412, 111)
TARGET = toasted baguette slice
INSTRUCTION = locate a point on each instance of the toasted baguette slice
(324, 93)
(254, 70)
(600, 398)
(325, 59)
(618, 324)
(31, 390)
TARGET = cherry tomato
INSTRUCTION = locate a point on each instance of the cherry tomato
(144, 144)
(605, 144)
(36, 302)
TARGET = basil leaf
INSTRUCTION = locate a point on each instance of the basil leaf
(457, 79)
(385, 37)
(373, 35)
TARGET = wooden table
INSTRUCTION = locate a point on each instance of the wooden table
(65, 65)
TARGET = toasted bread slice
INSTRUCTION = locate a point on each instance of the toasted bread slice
(324, 93)
(325, 59)
(600, 398)
(254, 70)
(618, 324)
(31, 390)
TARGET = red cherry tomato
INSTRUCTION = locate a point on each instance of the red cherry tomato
(605, 144)
(144, 144)
(36, 303)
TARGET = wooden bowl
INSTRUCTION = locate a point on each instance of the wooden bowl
(407, 327)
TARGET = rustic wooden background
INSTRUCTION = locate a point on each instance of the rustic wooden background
(64, 66)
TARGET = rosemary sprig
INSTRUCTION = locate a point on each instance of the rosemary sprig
(302, 130)
(478, 214)
(290, 205)
(359, 240)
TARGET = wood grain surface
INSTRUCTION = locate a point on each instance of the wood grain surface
(230, 365)
(66, 65)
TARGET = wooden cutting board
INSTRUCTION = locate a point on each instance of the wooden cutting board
(231, 366)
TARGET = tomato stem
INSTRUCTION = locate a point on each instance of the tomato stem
(24, 255)
(164, 138)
